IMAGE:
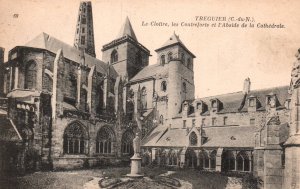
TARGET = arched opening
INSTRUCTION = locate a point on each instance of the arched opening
(190, 158)
(104, 141)
(84, 98)
(212, 158)
(243, 161)
(30, 75)
(228, 161)
(144, 99)
(75, 139)
(173, 158)
(114, 56)
(127, 146)
(163, 86)
(193, 139)
(203, 160)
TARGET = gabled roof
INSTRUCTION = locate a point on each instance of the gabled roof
(126, 29)
(150, 71)
(174, 40)
(45, 41)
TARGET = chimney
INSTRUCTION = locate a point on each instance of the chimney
(247, 85)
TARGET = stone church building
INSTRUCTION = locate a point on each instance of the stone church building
(66, 109)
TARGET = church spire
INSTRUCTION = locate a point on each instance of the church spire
(84, 34)
(127, 30)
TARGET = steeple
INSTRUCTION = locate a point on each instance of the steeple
(84, 34)
(126, 30)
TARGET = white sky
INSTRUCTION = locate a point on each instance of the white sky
(225, 56)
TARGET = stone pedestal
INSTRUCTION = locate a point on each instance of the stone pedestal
(135, 172)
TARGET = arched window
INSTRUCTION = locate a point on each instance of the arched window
(100, 94)
(144, 98)
(127, 139)
(243, 161)
(30, 75)
(193, 139)
(170, 56)
(114, 56)
(75, 138)
(47, 82)
(205, 159)
(105, 138)
(183, 58)
(172, 158)
(72, 83)
(163, 86)
(191, 158)
(162, 59)
(161, 119)
(84, 100)
(228, 161)
(213, 159)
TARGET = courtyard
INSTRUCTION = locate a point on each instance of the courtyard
(156, 177)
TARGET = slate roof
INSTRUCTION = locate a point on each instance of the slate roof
(150, 71)
(45, 41)
(173, 40)
(235, 136)
(237, 101)
(126, 29)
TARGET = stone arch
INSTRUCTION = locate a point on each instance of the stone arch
(173, 158)
(243, 161)
(114, 56)
(204, 160)
(126, 143)
(190, 158)
(75, 138)
(212, 158)
(105, 140)
(228, 161)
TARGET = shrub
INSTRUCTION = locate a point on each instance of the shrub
(104, 183)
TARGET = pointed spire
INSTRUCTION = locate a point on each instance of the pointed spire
(126, 29)
(84, 34)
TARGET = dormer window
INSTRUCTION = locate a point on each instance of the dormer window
(252, 102)
(215, 105)
(199, 107)
(271, 100)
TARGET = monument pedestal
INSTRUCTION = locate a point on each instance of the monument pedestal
(136, 162)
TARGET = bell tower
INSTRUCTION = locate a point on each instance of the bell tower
(125, 53)
(84, 34)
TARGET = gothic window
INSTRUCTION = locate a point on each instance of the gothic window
(99, 107)
(162, 59)
(75, 139)
(204, 160)
(191, 158)
(161, 119)
(170, 56)
(164, 86)
(183, 58)
(114, 56)
(243, 162)
(144, 98)
(193, 139)
(30, 75)
(228, 161)
(105, 138)
(127, 146)
(173, 158)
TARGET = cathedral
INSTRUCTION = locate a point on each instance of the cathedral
(62, 108)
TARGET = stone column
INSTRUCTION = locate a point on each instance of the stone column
(219, 159)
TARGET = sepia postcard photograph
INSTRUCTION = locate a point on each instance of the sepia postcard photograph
(161, 94)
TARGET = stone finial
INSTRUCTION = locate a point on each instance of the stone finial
(247, 85)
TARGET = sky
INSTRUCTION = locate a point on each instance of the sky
(224, 56)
